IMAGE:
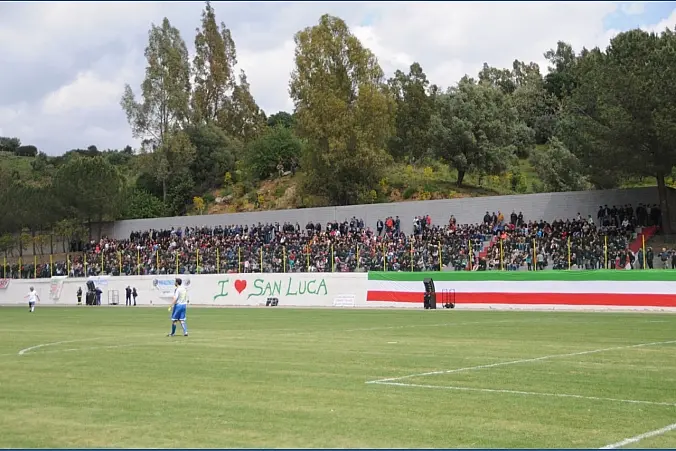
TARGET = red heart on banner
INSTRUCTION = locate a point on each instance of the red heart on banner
(240, 285)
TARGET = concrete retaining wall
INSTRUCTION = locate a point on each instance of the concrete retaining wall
(550, 290)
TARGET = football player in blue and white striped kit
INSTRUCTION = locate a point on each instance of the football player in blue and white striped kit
(178, 308)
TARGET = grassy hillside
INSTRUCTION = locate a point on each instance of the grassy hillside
(403, 183)
(12, 163)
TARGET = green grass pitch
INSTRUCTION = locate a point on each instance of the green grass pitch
(273, 377)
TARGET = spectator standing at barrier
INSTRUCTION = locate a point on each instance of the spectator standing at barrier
(134, 294)
(639, 258)
(664, 258)
(128, 296)
(650, 258)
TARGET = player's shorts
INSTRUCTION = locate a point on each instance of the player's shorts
(178, 314)
(31, 304)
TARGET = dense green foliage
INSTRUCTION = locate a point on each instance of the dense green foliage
(597, 119)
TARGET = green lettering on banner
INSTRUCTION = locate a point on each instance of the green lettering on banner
(315, 287)
(264, 288)
(223, 289)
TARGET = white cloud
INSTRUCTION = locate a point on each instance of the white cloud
(268, 73)
(87, 92)
(669, 22)
(70, 60)
(632, 9)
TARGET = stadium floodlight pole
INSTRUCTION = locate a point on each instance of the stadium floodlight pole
(358, 266)
(261, 258)
(605, 252)
(157, 261)
(197, 261)
(51, 266)
(411, 256)
(176, 262)
(103, 265)
(535, 256)
(469, 261)
(239, 259)
(284, 257)
(138, 262)
(441, 266)
(333, 260)
(502, 256)
(384, 258)
(119, 260)
(569, 256)
(218, 261)
(644, 257)
(85, 264)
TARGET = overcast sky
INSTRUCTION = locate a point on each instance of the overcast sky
(63, 65)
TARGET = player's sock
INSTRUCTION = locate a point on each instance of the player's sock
(173, 329)
(185, 328)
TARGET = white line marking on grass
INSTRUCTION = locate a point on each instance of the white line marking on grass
(93, 347)
(528, 393)
(638, 438)
(55, 343)
(515, 362)
(44, 345)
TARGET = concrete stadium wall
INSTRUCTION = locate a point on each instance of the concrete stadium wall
(542, 290)
(299, 290)
(610, 289)
(547, 206)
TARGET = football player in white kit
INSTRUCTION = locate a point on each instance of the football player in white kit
(32, 299)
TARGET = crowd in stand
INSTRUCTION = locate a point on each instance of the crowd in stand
(579, 243)
(515, 244)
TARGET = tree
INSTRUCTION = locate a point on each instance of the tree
(9, 144)
(560, 81)
(414, 113)
(215, 155)
(199, 204)
(26, 151)
(243, 119)
(526, 74)
(282, 118)
(181, 189)
(165, 91)
(171, 159)
(213, 66)
(139, 204)
(497, 78)
(342, 108)
(89, 188)
(558, 168)
(278, 146)
(620, 115)
(539, 110)
(476, 128)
